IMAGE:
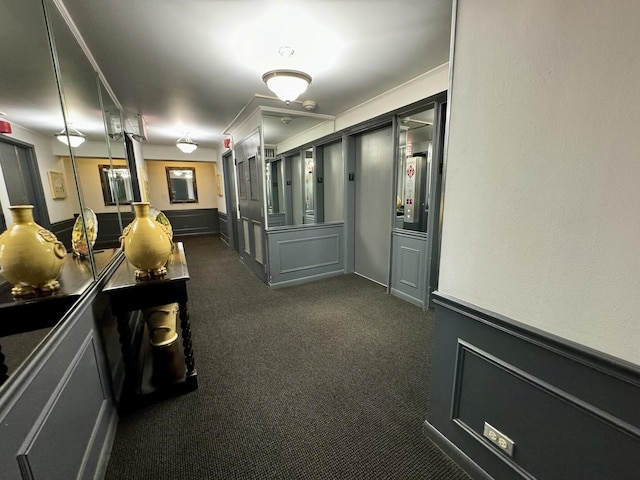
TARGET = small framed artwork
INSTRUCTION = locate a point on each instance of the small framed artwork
(56, 182)
(219, 183)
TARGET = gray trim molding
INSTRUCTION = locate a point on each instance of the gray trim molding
(571, 411)
(223, 225)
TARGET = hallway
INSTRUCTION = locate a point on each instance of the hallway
(327, 380)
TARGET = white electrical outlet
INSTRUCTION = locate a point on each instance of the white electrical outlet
(498, 438)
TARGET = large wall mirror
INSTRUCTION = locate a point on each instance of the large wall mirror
(49, 88)
(181, 182)
(415, 151)
(297, 181)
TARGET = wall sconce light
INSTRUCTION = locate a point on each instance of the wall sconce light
(73, 137)
(185, 144)
(287, 84)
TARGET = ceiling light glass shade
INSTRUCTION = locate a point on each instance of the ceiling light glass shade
(287, 84)
(75, 138)
(185, 144)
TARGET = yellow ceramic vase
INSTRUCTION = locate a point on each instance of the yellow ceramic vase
(31, 257)
(161, 321)
(145, 243)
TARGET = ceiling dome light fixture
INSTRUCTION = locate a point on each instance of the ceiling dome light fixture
(74, 138)
(185, 144)
(287, 84)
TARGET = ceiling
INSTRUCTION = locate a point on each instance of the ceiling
(194, 66)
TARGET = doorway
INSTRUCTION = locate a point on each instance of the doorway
(22, 178)
(373, 191)
(231, 200)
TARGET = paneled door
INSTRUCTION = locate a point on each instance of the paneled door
(251, 202)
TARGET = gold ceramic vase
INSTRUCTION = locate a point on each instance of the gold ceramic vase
(161, 322)
(145, 243)
(31, 257)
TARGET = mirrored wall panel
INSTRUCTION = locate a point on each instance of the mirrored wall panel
(415, 159)
(298, 181)
(50, 109)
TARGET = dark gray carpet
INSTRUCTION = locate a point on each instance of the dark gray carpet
(327, 380)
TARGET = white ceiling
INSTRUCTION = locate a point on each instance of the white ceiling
(194, 65)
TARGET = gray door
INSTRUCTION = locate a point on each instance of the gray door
(373, 205)
(22, 178)
(251, 201)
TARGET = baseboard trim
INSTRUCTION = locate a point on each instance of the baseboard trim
(310, 278)
(452, 451)
(105, 451)
(407, 298)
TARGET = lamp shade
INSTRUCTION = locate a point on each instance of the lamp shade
(73, 137)
(287, 84)
(185, 144)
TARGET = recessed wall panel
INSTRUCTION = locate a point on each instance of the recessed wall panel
(61, 439)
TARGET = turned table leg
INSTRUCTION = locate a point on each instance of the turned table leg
(185, 326)
(130, 368)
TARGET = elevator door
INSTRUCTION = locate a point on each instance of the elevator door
(373, 206)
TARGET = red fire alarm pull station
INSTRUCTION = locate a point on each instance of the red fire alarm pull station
(227, 142)
(5, 127)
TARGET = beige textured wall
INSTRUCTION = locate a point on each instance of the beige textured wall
(541, 218)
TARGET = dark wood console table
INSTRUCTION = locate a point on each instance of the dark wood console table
(128, 294)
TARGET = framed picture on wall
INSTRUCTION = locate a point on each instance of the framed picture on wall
(56, 182)
(219, 183)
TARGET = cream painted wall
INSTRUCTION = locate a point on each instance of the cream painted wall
(59, 209)
(541, 213)
(423, 86)
(205, 184)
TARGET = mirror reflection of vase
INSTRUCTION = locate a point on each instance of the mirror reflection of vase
(146, 244)
(31, 257)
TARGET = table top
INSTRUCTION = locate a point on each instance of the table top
(124, 277)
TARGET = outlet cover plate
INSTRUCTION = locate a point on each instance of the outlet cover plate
(498, 438)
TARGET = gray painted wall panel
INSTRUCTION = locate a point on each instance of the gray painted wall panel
(570, 410)
(30, 392)
(373, 177)
(304, 254)
(514, 401)
(51, 444)
(309, 253)
(409, 266)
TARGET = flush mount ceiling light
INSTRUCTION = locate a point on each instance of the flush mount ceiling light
(287, 84)
(74, 138)
(185, 144)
